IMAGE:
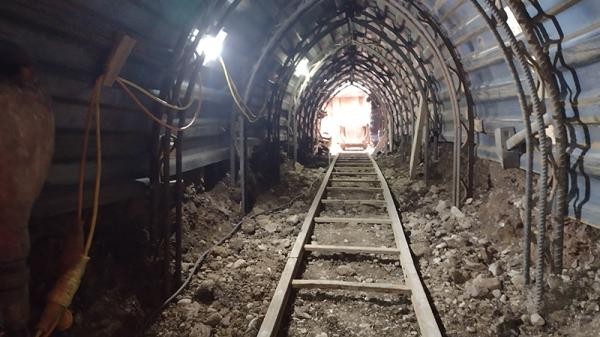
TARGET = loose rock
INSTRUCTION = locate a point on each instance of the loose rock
(537, 320)
(345, 270)
(456, 212)
(200, 330)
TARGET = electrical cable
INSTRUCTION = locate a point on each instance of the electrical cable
(56, 312)
(159, 121)
(96, 198)
(155, 98)
(242, 107)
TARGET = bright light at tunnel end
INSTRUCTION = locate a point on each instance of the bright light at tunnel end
(211, 46)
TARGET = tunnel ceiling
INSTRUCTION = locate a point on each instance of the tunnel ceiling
(460, 59)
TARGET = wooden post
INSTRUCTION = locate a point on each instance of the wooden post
(418, 135)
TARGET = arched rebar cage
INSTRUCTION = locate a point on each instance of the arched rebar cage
(396, 50)
(448, 69)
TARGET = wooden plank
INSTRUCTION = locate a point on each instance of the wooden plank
(358, 286)
(350, 168)
(117, 59)
(369, 202)
(350, 249)
(353, 180)
(425, 318)
(354, 173)
(353, 162)
(354, 188)
(270, 323)
(352, 220)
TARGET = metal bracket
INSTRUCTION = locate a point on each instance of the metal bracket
(508, 158)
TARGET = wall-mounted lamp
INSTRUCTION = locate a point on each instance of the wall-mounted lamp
(211, 46)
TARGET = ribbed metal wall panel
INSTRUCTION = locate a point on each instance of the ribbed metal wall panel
(69, 41)
(494, 91)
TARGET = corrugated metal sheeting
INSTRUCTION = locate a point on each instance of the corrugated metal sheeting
(496, 102)
(70, 41)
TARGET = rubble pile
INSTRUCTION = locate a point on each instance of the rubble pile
(471, 262)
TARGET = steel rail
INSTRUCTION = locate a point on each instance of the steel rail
(289, 280)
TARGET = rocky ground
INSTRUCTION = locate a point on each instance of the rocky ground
(231, 290)
(470, 261)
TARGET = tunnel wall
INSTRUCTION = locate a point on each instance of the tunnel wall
(496, 104)
(70, 41)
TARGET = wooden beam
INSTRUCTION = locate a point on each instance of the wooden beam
(351, 249)
(353, 164)
(353, 161)
(415, 151)
(354, 173)
(117, 59)
(353, 220)
(358, 286)
(350, 168)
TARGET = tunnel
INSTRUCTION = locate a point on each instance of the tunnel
(319, 168)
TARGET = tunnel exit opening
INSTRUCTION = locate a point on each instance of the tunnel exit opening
(347, 122)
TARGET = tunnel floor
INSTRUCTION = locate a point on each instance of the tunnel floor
(470, 263)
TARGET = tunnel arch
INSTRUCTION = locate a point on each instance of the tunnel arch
(382, 34)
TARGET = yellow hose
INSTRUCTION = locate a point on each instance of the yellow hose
(56, 313)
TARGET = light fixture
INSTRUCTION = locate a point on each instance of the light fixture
(211, 46)
(302, 69)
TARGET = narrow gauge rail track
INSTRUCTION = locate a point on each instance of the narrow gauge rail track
(355, 169)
